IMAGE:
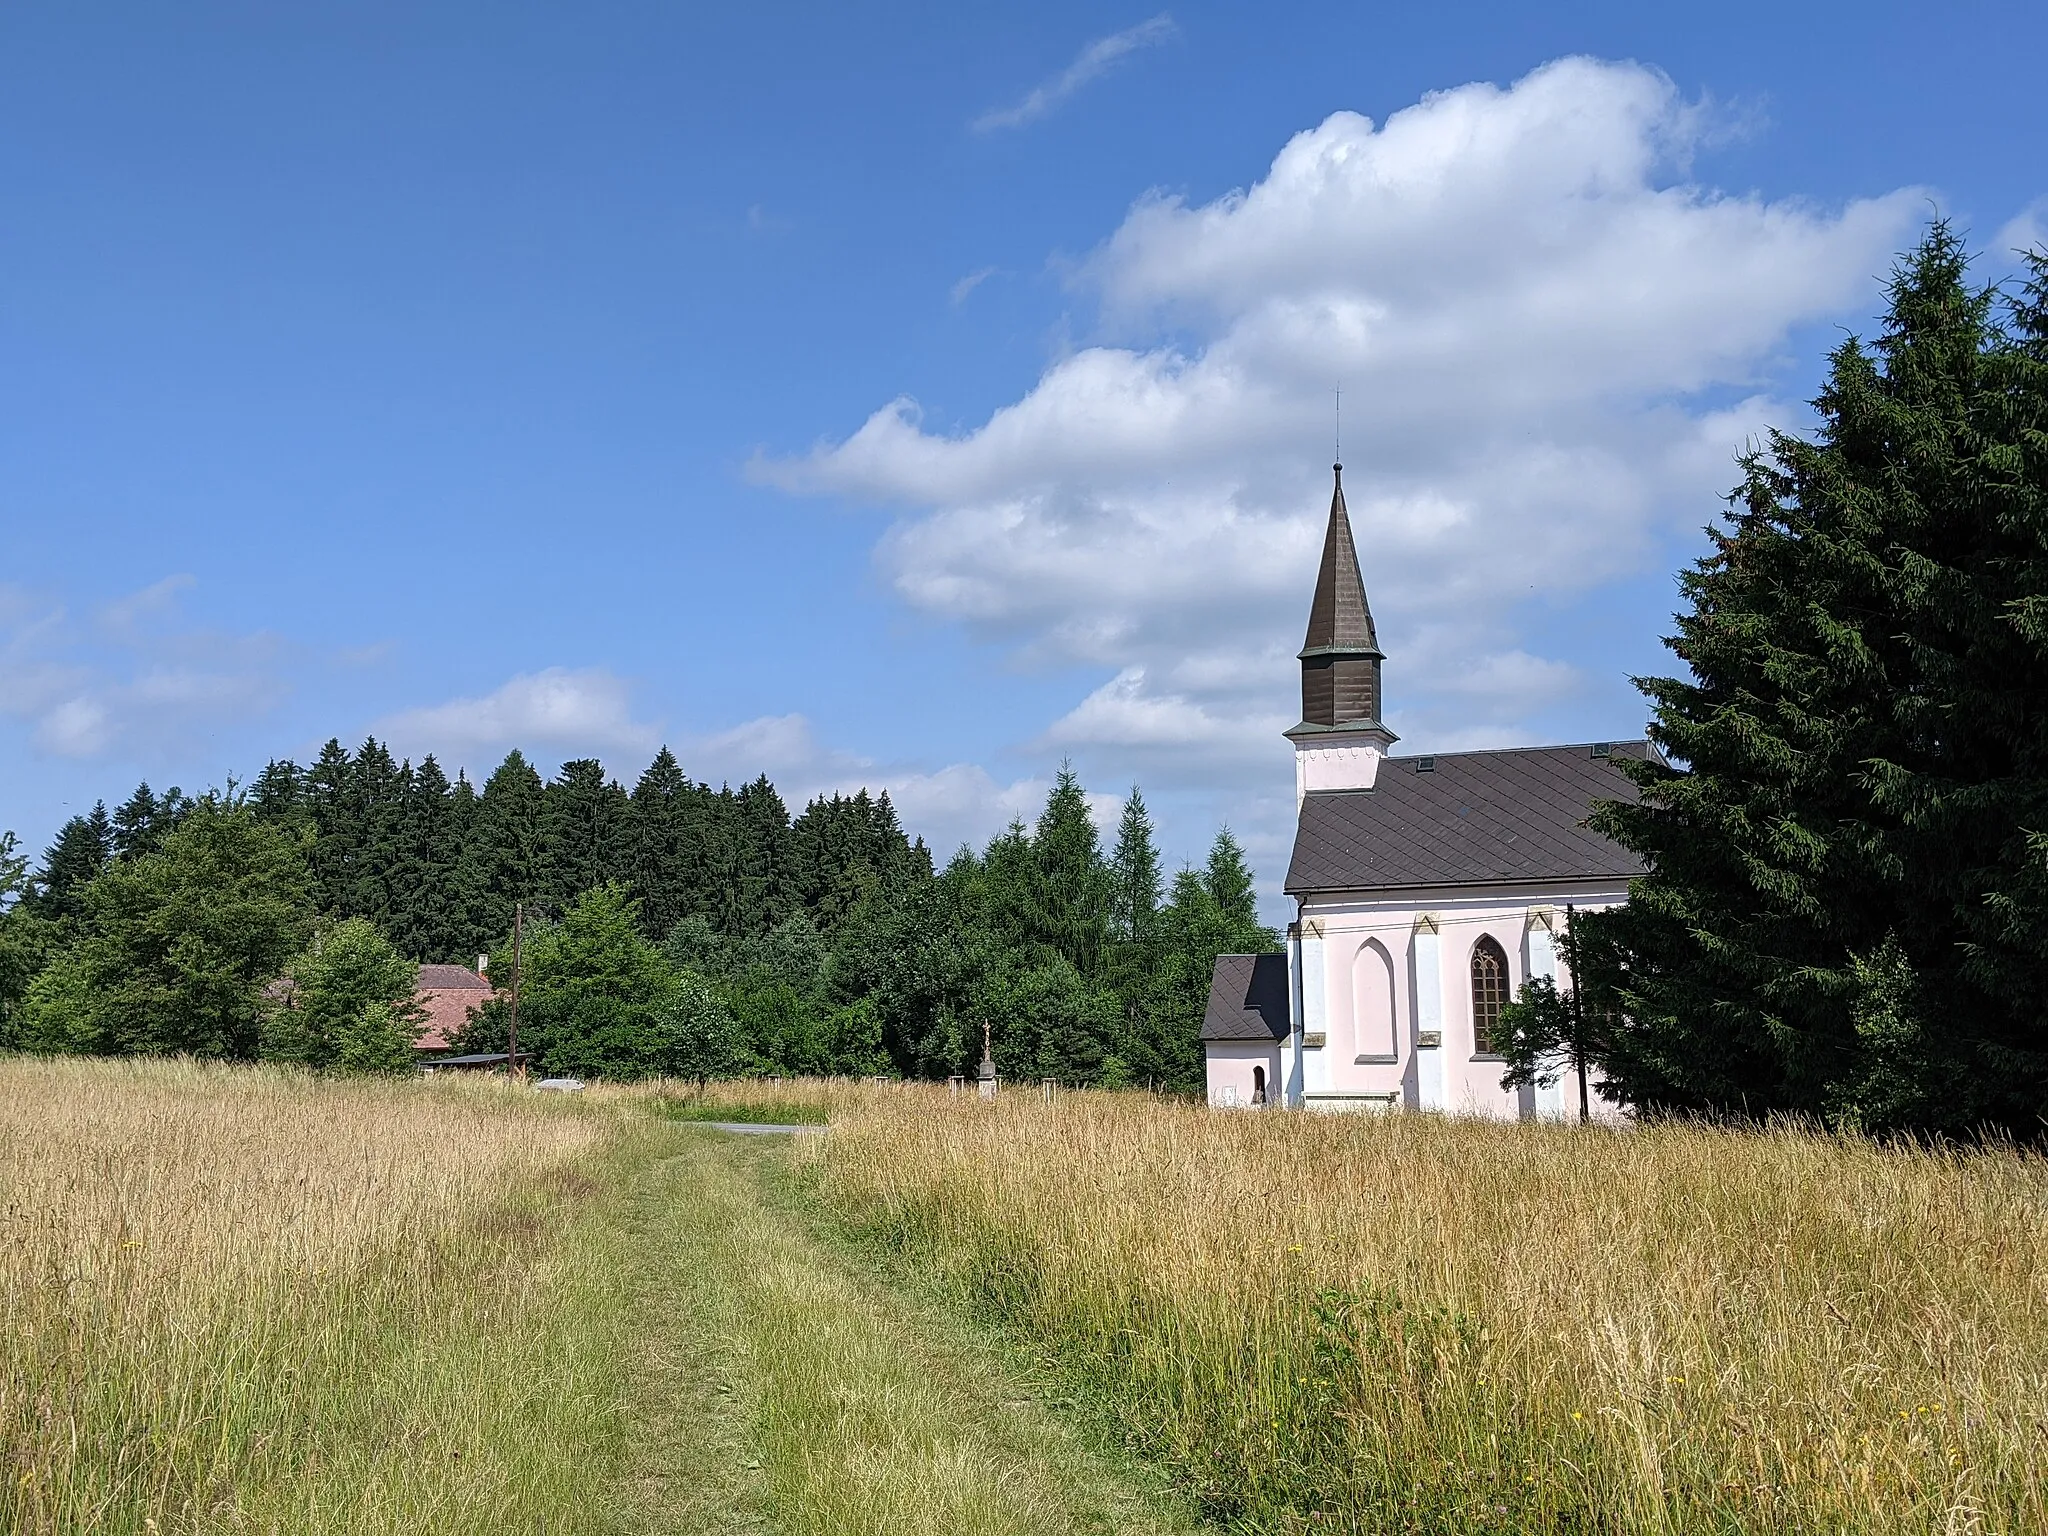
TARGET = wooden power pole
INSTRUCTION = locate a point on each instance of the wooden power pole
(512, 1043)
(1571, 956)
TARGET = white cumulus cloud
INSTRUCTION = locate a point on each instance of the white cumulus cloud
(2026, 230)
(576, 711)
(1551, 344)
(947, 806)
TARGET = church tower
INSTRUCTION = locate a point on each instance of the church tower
(1340, 740)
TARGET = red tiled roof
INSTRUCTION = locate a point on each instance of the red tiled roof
(448, 992)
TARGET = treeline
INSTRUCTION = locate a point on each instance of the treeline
(673, 928)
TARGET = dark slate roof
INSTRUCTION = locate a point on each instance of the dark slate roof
(1338, 619)
(1476, 818)
(452, 978)
(1247, 999)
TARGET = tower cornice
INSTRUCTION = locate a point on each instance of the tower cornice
(1341, 653)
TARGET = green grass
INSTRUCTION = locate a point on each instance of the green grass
(866, 1410)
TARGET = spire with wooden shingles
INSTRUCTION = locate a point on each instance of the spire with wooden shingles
(1340, 658)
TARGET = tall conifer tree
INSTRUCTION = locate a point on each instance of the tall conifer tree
(1228, 881)
(1861, 759)
(378, 790)
(665, 851)
(1133, 872)
(503, 859)
(426, 921)
(339, 832)
(82, 850)
(1069, 885)
(279, 793)
(586, 831)
(137, 824)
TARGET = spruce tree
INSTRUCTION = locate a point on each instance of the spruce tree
(426, 920)
(1133, 873)
(1833, 923)
(467, 934)
(328, 796)
(1069, 893)
(1228, 880)
(664, 856)
(2004, 942)
(502, 862)
(844, 850)
(135, 824)
(1131, 957)
(279, 793)
(586, 831)
(1192, 934)
(82, 849)
(378, 788)
(749, 853)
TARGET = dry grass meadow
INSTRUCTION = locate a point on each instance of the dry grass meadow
(240, 1300)
(1412, 1323)
(243, 1300)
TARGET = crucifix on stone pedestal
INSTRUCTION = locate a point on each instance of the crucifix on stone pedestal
(985, 1076)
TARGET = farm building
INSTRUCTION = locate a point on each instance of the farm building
(1427, 890)
(448, 993)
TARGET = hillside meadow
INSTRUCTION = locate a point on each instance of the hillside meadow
(252, 1300)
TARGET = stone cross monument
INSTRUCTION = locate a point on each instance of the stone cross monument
(985, 1075)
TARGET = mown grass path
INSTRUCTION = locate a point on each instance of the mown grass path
(781, 1386)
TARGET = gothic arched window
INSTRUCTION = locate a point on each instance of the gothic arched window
(1489, 993)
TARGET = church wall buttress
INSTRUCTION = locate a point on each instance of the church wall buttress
(1315, 1009)
(1426, 954)
(1543, 963)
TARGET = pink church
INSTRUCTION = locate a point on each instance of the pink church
(1428, 889)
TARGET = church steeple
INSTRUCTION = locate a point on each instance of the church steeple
(1340, 658)
(1340, 741)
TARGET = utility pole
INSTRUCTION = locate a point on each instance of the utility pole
(512, 1044)
(1571, 956)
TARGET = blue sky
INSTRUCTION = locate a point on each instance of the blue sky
(913, 399)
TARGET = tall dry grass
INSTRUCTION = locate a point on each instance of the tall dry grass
(791, 1100)
(1413, 1323)
(234, 1299)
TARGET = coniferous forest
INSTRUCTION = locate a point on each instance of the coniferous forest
(670, 929)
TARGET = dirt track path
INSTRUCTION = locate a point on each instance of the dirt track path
(784, 1388)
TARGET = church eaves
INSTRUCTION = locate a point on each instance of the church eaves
(1341, 656)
